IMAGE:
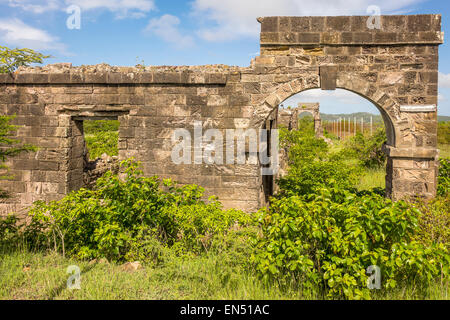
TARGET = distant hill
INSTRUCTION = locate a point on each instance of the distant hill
(366, 116)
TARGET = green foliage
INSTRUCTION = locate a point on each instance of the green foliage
(311, 165)
(102, 142)
(368, 149)
(9, 231)
(444, 177)
(96, 126)
(328, 240)
(125, 219)
(11, 59)
(435, 222)
(306, 125)
(101, 137)
(444, 132)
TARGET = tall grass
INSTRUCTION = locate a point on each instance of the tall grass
(43, 276)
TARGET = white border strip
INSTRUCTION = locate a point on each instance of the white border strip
(428, 108)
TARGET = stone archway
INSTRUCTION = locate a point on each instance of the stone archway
(314, 110)
(395, 70)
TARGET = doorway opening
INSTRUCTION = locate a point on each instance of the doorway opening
(353, 127)
(94, 150)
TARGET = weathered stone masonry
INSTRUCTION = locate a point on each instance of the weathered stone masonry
(396, 68)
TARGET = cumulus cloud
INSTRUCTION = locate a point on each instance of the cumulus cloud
(15, 32)
(236, 18)
(121, 8)
(167, 28)
(444, 80)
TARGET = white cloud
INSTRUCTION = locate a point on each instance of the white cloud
(37, 7)
(337, 101)
(166, 28)
(237, 18)
(339, 95)
(121, 8)
(444, 80)
(15, 32)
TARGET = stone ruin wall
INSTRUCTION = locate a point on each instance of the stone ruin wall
(396, 68)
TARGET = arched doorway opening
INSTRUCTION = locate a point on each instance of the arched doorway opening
(349, 122)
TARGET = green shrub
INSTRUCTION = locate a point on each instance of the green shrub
(102, 142)
(435, 222)
(328, 239)
(120, 219)
(306, 125)
(368, 149)
(311, 165)
(9, 231)
(102, 136)
(96, 126)
(444, 177)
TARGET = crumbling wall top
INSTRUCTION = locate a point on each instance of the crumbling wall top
(65, 73)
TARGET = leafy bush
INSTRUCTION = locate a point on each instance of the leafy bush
(444, 177)
(306, 125)
(102, 136)
(9, 231)
(120, 219)
(311, 165)
(102, 142)
(96, 126)
(328, 240)
(368, 149)
(435, 222)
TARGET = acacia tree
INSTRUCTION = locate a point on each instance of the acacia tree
(10, 60)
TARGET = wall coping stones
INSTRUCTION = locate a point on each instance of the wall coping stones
(64, 73)
(115, 78)
(351, 30)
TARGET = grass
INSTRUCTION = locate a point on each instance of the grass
(444, 150)
(372, 178)
(102, 136)
(198, 278)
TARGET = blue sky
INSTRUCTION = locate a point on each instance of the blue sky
(175, 32)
